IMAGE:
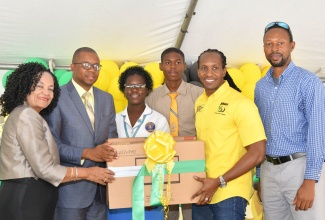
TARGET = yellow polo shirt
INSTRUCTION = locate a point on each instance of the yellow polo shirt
(227, 121)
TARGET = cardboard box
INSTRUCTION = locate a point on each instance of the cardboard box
(132, 156)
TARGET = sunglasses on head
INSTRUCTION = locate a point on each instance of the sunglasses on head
(277, 24)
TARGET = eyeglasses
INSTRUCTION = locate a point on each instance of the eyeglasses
(278, 24)
(87, 66)
(135, 86)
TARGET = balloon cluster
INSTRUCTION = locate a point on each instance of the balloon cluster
(110, 73)
(245, 77)
(107, 80)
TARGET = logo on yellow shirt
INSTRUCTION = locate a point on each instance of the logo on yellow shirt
(222, 108)
(199, 108)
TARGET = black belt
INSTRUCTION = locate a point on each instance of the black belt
(283, 159)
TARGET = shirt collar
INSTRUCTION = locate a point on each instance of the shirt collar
(181, 89)
(286, 73)
(221, 90)
(147, 111)
(81, 90)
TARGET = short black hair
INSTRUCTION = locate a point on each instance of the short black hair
(171, 50)
(21, 82)
(135, 70)
(80, 50)
(224, 63)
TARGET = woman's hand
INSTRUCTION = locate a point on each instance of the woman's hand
(100, 175)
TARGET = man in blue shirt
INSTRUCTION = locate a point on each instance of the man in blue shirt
(291, 102)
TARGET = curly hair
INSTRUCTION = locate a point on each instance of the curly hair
(224, 63)
(21, 83)
(135, 70)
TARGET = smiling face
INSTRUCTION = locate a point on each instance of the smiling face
(42, 95)
(135, 96)
(85, 78)
(277, 47)
(173, 66)
(211, 72)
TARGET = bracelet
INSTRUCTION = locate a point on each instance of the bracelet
(71, 173)
(76, 173)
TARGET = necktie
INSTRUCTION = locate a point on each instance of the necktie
(89, 108)
(173, 117)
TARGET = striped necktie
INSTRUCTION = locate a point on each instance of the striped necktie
(173, 117)
(89, 108)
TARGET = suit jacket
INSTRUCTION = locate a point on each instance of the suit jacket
(73, 132)
(28, 148)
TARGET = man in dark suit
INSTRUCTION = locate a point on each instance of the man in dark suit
(80, 127)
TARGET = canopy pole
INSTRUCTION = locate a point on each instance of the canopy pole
(190, 12)
(10, 66)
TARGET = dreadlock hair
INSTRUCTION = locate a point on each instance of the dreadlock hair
(231, 82)
(224, 63)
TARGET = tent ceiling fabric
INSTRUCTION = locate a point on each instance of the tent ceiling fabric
(140, 30)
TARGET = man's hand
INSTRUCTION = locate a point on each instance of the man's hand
(208, 189)
(101, 153)
(305, 195)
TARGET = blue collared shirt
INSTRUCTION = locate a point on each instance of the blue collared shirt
(293, 115)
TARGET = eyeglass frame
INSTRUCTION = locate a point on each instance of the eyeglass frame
(90, 65)
(135, 86)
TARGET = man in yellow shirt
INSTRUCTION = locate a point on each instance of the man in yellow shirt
(234, 138)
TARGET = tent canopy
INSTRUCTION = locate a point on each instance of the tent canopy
(140, 30)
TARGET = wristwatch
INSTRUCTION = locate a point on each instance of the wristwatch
(223, 183)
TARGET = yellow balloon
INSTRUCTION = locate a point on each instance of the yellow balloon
(264, 71)
(237, 76)
(110, 66)
(120, 105)
(108, 71)
(156, 74)
(103, 80)
(248, 90)
(127, 65)
(114, 89)
(252, 72)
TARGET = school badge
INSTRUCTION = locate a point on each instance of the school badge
(150, 126)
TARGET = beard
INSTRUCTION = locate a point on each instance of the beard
(279, 63)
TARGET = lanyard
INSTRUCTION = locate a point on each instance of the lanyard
(136, 131)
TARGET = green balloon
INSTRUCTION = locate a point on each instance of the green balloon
(4, 78)
(255, 179)
(37, 60)
(65, 78)
(59, 73)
